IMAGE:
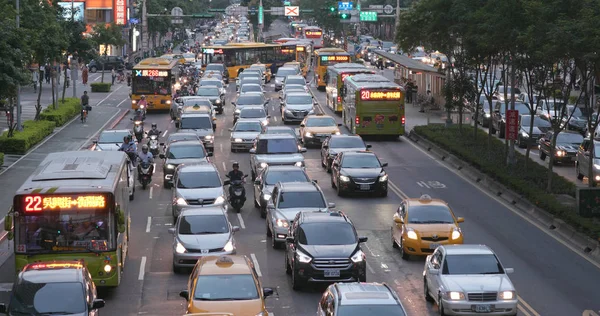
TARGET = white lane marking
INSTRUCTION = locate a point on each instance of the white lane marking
(522, 301)
(589, 312)
(256, 266)
(239, 216)
(370, 268)
(142, 269)
(221, 147)
(224, 166)
(221, 133)
(165, 133)
(273, 107)
(109, 95)
(371, 251)
(422, 184)
(119, 105)
(149, 224)
(6, 287)
(385, 267)
(275, 118)
(150, 193)
(87, 141)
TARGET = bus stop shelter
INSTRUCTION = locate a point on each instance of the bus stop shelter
(424, 76)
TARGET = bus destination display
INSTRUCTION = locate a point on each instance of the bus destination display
(335, 58)
(376, 95)
(313, 33)
(38, 203)
(151, 73)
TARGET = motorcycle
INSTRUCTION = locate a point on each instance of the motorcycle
(237, 196)
(153, 144)
(143, 109)
(138, 130)
(144, 174)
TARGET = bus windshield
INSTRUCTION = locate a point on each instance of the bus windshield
(151, 85)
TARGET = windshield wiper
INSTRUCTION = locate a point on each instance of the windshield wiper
(436, 222)
(491, 272)
(56, 313)
(207, 233)
(220, 299)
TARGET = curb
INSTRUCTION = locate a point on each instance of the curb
(589, 247)
(119, 119)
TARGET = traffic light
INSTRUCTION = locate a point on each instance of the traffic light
(345, 16)
(332, 9)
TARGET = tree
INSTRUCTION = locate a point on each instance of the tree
(107, 34)
(77, 45)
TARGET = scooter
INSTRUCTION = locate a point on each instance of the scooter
(138, 130)
(153, 144)
(237, 198)
(144, 174)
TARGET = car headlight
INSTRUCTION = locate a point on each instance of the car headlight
(383, 178)
(265, 122)
(266, 196)
(218, 101)
(262, 165)
(524, 134)
(168, 101)
(344, 178)
(170, 166)
(358, 256)
(507, 295)
(181, 201)
(208, 137)
(308, 134)
(456, 234)
(560, 153)
(302, 257)
(180, 248)
(311, 112)
(337, 133)
(219, 200)
(282, 223)
(237, 140)
(299, 164)
(455, 296)
(228, 246)
(411, 234)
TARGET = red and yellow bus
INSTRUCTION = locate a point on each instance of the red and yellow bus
(325, 57)
(313, 34)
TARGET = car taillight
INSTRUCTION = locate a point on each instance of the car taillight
(357, 120)
(339, 99)
(403, 120)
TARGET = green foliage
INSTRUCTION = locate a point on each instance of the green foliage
(66, 110)
(12, 53)
(100, 87)
(33, 133)
(1, 159)
(529, 182)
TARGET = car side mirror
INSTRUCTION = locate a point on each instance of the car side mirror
(171, 231)
(302, 150)
(162, 144)
(331, 205)
(363, 239)
(509, 270)
(95, 142)
(185, 294)
(384, 164)
(315, 181)
(234, 104)
(8, 223)
(98, 303)
(267, 291)
(325, 147)
(226, 182)
(302, 125)
(162, 156)
(235, 229)
(209, 154)
(230, 129)
(252, 151)
(289, 239)
(257, 182)
(460, 220)
(398, 220)
(434, 271)
(369, 146)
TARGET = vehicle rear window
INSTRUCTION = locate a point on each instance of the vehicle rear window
(472, 264)
(203, 224)
(48, 298)
(326, 233)
(379, 310)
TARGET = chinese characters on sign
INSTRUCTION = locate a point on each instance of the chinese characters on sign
(336, 58)
(37, 203)
(120, 12)
(512, 124)
(151, 73)
(367, 95)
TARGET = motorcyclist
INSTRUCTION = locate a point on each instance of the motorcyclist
(138, 115)
(154, 130)
(143, 104)
(129, 148)
(235, 175)
(145, 157)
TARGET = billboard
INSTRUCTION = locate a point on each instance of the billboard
(120, 12)
(79, 10)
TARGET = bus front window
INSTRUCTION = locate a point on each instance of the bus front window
(151, 85)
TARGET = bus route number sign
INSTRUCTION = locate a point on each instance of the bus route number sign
(151, 73)
(38, 203)
(212, 51)
(370, 95)
(335, 58)
(313, 33)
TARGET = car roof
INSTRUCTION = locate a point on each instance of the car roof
(197, 167)
(298, 93)
(285, 168)
(183, 134)
(252, 93)
(184, 143)
(287, 68)
(345, 136)
(275, 136)
(356, 293)
(298, 187)
(250, 84)
(204, 210)
(318, 116)
(321, 217)
(115, 131)
(294, 77)
(52, 272)
(467, 249)
(425, 199)
(252, 107)
(224, 265)
(275, 127)
(358, 153)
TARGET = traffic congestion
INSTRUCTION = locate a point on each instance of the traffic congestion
(273, 179)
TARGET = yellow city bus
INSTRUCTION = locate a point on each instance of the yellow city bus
(156, 78)
(326, 57)
(335, 80)
(238, 56)
(303, 55)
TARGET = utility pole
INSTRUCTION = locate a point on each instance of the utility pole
(397, 15)
(74, 62)
(358, 25)
(19, 119)
(144, 34)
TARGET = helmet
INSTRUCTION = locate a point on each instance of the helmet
(138, 111)
(125, 138)
(236, 164)
(145, 148)
(154, 126)
(143, 97)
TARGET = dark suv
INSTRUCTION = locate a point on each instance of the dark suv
(323, 247)
(499, 116)
(106, 63)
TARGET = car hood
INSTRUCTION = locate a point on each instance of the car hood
(245, 135)
(335, 151)
(322, 130)
(329, 251)
(568, 147)
(477, 283)
(241, 308)
(299, 107)
(252, 118)
(203, 193)
(279, 158)
(290, 213)
(432, 228)
(177, 162)
(362, 172)
(204, 241)
(241, 106)
(199, 132)
(108, 146)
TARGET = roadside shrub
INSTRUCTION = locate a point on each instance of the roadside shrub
(66, 110)
(33, 133)
(100, 87)
(530, 182)
(1, 159)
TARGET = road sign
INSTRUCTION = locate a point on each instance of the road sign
(292, 11)
(306, 10)
(203, 15)
(230, 10)
(388, 9)
(368, 16)
(512, 124)
(286, 3)
(261, 15)
(342, 5)
(176, 13)
(376, 7)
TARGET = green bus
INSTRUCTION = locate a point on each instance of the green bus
(373, 105)
(335, 80)
(75, 206)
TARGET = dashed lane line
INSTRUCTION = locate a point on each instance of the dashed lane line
(256, 266)
(142, 269)
(149, 224)
(242, 224)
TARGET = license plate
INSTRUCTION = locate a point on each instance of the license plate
(433, 246)
(483, 308)
(204, 251)
(365, 187)
(331, 273)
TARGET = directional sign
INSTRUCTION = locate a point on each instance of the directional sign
(376, 7)
(342, 6)
(176, 13)
(292, 11)
(388, 9)
(368, 16)
(261, 15)
(286, 3)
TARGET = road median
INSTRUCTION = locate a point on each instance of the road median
(523, 188)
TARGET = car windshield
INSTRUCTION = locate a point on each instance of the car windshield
(225, 287)
(576, 111)
(208, 92)
(320, 122)
(201, 122)
(211, 83)
(295, 87)
(429, 214)
(301, 199)
(327, 233)
(248, 127)
(252, 113)
(250, 100)
(112, 137)
(360, 161)
(203, 224)
(472, 264)
(273, 177)
(361, 310)
(298, 81)
(250, 88)
(216, 67)
(537, 121)
(277, 146)
(569, 138)
(184, 152)
(198, 180)
(299, 99)
(48, 298)
(280, 130)
(346, 142)
(283, 72)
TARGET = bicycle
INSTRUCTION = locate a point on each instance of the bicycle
(84, 114)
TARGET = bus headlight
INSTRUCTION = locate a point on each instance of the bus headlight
(107, 268)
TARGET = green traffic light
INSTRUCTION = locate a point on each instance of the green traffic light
(332, 9)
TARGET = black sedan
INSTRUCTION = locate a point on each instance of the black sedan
(359, 171)
(528, 136)
(336, 144)
(567, 144)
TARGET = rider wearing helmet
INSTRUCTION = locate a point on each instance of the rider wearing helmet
(128, 145)
(235, 174)
(138, 115)
(154, 130)
(145, 157)
(143, 104)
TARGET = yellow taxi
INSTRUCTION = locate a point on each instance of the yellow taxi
(314, 129)
(180, 58)
(422, 224)
(225, 284)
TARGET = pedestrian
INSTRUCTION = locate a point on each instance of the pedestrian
(41, 72)
(35, 78)
(409, 91)
(84, 75)
(48, 72)
(68, 75)
(114, 75)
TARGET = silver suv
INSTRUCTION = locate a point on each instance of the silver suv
(582, 162)
(360, 299)
(196, 185)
